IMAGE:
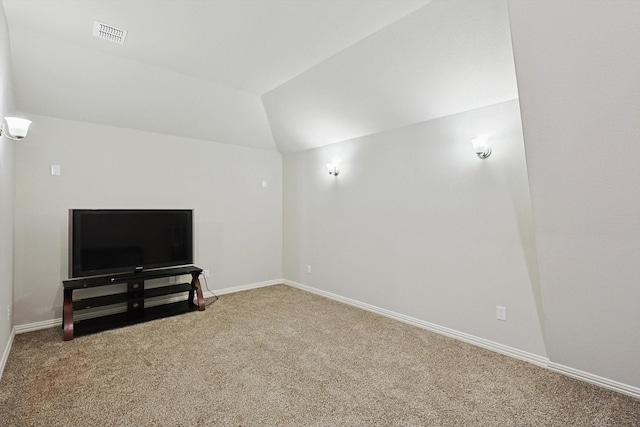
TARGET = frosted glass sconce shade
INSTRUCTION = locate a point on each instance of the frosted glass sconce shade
(333, 169)
(480, 146)
(16, 128)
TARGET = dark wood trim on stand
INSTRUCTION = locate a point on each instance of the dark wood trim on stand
(67, 314)
(195, 281)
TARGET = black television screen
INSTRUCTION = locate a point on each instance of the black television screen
(116, 240)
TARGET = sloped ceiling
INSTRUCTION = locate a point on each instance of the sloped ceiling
(273, 74)
(445, 58)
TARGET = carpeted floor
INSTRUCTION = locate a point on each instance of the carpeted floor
(278, 356)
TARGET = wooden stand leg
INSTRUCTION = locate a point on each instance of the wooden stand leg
(196, 283)
(67, 314)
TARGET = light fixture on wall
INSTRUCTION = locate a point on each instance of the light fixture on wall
(16, 129)
(333, 169)
(481, 147)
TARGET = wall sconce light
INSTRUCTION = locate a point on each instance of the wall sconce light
(481, 147)
(17, 128)
(333, 169)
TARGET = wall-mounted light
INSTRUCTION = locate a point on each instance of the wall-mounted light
(333, 169)
(17, 128)
(481, 147)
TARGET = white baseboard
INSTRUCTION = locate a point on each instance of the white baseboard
(240, 288)
(57, 322)
(596, 379)
(36, 326)
(7, 349)
(480, 342)
(452, 333)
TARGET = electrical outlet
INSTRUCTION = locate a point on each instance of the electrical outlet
(308, 269)
(9, 312)
(206, 274)
(501, 313)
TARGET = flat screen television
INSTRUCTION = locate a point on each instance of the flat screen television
(104, 241)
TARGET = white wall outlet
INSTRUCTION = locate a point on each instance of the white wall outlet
(308, 269)
(264, 183)
(56, 170)
(206, 273)
(501, 313)
(9, 312)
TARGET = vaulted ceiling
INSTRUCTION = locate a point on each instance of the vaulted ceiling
(272, 74)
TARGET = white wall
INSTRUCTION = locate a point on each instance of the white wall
(238, 223)
(578, 69)
(417, 224)
(7, 186)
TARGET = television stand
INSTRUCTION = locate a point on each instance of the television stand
(134, 297)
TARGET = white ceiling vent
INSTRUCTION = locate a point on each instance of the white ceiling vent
(107, 32)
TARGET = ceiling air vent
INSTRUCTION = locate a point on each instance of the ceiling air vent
(107, 32)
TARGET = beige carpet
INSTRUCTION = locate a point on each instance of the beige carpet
(280, 356)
